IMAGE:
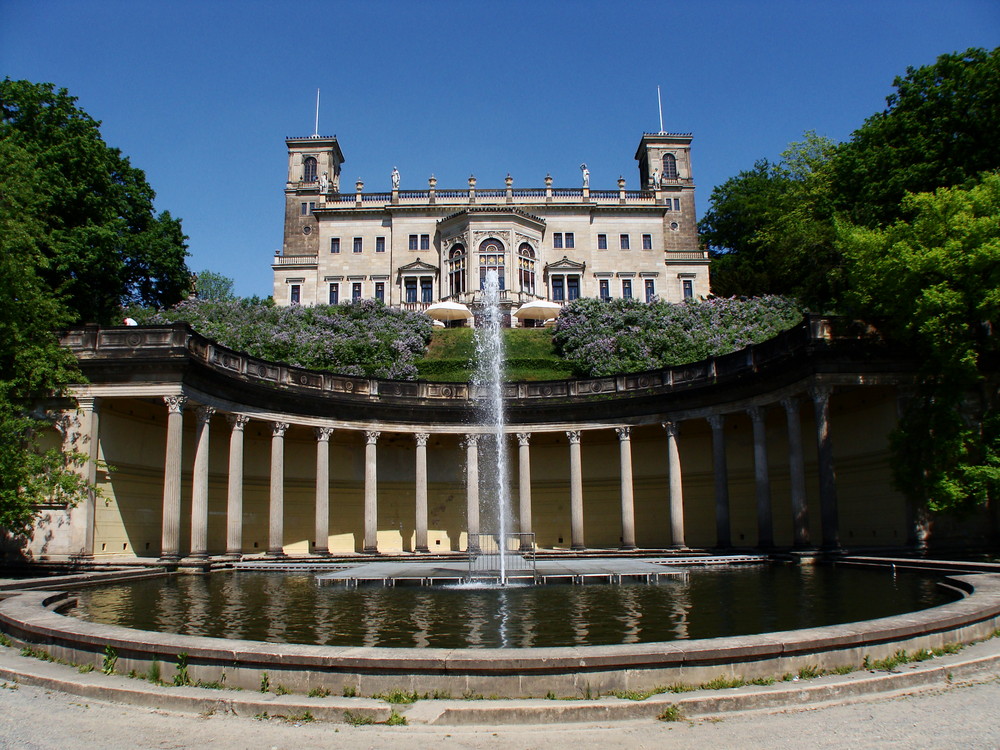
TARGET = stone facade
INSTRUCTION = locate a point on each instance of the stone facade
(412, 248)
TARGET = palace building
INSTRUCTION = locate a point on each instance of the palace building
(412, 248)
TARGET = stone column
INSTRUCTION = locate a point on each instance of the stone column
(628, 503)
(371, 492)
(471, 444)
(721, 472)
(676, 487)
(81, 434)
(276, 534)
(170, 543)
(524, 486)
(796, 474)
(575, 490)
(321, 542)
(827, 477)
(762, 480)
(199, 487)
(421, 492)
(234, 495)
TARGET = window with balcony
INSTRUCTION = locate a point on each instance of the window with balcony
(669, 167)
(558, 289)
(526, 268)
(426, 289)
(309, 169)
(572, 288)
(491, 258)
(410, 289)
(456, 270)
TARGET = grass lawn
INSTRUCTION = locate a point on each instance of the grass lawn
(530, 356)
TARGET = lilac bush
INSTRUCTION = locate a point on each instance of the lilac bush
(625, 335)
(363, 338)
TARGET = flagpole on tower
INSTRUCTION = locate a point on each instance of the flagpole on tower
(659, 101)
(316, 129)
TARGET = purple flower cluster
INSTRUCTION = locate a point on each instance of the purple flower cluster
(363, 338)
(625, 335)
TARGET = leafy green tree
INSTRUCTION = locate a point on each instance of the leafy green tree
(941, 127)
(78, 239)
(100, 243)
(213, 286)
(933, 285)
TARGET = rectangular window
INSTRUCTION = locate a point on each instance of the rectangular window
(356, 290)
(557, 240)
(411, 289)
(623, 241)
(605, 290)
(380, 244)
(677, 204)
(335, 244)
(426, 290)
(650, 290)
(425, 242)
(295, 294)
(572, 287)
(304, 209)
(558, 294)
(570, 242)
(413, 242)
(357, 244)
(334, 294)
(688, 286)
(602, 242)
(666, 204)
(626, 288)
(312, 207)
(380, 291)
(647, 242)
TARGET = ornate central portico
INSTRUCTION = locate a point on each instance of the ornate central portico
(219, 454)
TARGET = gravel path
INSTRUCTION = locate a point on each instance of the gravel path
(965, 716)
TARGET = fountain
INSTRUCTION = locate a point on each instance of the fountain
(488, 380)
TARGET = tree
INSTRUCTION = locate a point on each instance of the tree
(933, 285)
(213, 286)
(941, 127)
(78, 239)
(100, 243)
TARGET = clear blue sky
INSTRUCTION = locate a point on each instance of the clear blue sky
(201, 94)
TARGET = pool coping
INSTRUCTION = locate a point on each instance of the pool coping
(33, 619)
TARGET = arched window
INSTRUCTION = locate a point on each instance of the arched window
(669, 167)
(526, 268)
(309, 169)
(491, 258)
(456, 270)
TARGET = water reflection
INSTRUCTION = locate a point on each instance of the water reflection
(287, 608)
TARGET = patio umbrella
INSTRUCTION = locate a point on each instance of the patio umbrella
(538, 309)
(448, 311)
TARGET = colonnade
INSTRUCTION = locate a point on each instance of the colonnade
(172, 480)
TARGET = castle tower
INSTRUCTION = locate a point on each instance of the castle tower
(313, 176)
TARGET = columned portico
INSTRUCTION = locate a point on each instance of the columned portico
(170, 545)
(575, 490)
(796, 473)
(628, 506)
(675, 487)
(234, 495)
(420, 491)
(471, 444)
(199, 489)
(371, 492)
(762, 480)
(720, 472)
(321, 542)
(827, 476)
(524, 486)
(276, 516)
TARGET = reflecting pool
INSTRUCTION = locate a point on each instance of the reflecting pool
(708, 603)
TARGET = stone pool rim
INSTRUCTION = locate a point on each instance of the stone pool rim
(32, 619)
